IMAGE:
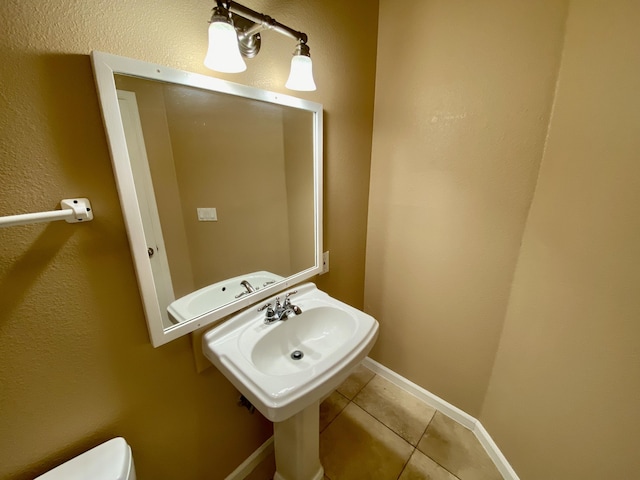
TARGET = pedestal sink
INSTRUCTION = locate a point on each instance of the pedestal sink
(285, 368)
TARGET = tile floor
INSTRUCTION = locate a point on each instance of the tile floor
(372, 430)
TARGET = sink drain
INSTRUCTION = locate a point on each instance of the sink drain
(297, 354)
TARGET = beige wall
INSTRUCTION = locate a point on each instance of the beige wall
(298, 161)
(218, 165)
(548, 360)
(77, 366)
(463, 96)
(564, 395)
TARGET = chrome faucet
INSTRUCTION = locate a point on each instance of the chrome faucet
(248, 286)
(280, 311)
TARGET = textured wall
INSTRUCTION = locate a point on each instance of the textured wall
(463, 94)
(564, 395)
(77, 366)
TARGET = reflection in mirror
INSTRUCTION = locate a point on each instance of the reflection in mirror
(226, 189)
(226, 291)
(232, 179)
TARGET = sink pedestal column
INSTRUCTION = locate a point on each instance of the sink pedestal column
(297, 446)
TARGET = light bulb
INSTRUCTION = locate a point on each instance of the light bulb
(301, 75)
(223, 54)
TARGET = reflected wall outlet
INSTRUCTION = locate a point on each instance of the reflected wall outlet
(325, 262)
(207, 215)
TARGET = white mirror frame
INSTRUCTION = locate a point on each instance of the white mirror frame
(105, 67)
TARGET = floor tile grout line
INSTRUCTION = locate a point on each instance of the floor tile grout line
(415, 447)
(385, 426)
(399, 436)
(406, 463)
(382, 422)
(363, 385)
(366, 383)
(429, 456)
(440, 465)
(349, 400)
(339, 412)
(435, 410)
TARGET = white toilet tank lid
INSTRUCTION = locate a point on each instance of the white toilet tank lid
(108, 461)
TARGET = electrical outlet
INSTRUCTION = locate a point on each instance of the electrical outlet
(325, 262)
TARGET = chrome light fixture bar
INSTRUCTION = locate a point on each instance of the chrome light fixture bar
(234, 32)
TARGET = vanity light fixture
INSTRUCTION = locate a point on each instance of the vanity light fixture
(223, 54)
(301, 75)
(234, 32)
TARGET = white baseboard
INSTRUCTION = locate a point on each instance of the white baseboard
(494, 453)
(246, 467)
(450, 411)
(429, 398)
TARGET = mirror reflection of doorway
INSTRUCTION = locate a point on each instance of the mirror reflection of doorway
(146, 199)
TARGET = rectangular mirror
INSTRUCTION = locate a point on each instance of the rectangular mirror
(220, 186)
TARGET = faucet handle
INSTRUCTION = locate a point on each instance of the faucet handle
(270, 314)
(287, 302)
(266, 305)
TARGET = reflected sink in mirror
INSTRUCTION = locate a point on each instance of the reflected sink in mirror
(220, 293)
(286, 366)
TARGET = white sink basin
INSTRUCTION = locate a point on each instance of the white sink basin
(318, 333)
(257, 358)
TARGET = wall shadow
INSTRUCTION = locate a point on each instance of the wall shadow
(23, 273)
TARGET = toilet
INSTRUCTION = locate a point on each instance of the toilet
(111, 460)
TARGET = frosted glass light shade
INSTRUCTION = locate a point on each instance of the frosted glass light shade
(301, 75)
(223, 54)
